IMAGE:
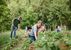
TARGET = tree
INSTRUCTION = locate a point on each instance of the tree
(4, 16)
(51, 12)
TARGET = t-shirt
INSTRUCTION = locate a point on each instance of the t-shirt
(34, 30)
(16, 22)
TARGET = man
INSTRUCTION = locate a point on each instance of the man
(15, 24)
(34, 32)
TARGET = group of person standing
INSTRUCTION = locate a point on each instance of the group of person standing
(33, 31)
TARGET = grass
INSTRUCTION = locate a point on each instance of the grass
(6, 41)
(16, 44)
(4, 38)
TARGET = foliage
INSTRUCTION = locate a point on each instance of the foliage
(6, 43)
(26, 44)
(4, 16)
(51, 41)
(11, 44)
(51, 12)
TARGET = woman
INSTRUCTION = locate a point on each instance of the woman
(34, 31)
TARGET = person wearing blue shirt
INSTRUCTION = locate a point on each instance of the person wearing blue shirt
(34, 31)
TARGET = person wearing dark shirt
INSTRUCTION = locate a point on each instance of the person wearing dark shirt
(15, 24)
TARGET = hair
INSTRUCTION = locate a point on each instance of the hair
(56, 26)
(40, 21)
(29, 28)
(20, 18)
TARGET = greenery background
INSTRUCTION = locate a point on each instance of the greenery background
(51, 12)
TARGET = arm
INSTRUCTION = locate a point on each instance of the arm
(35, 35)
(35, 32)
(26, 32)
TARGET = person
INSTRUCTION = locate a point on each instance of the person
(43, 28)
(15, 24)
(27, 30)
(58, 29)
(34, 32)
